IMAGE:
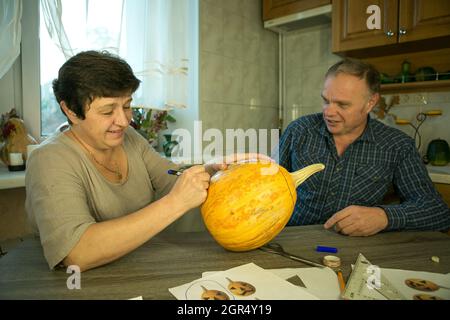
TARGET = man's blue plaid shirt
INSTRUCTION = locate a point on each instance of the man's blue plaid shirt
(381, 157)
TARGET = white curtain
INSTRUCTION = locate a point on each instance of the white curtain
(10, 33)
(52, 13)
(151, 35)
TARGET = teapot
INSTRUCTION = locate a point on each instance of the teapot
(438, 152)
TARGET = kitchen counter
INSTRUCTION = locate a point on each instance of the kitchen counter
(439, 174)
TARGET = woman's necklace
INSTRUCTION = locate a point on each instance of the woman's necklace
(116, 171)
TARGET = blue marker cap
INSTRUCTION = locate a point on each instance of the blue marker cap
(326, 249)
(174, 172)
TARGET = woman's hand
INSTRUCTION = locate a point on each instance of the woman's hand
(222, 163)
(190, 190)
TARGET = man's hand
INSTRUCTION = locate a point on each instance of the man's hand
(358, 221)
(222, 163)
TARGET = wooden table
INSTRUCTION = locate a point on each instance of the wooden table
(172, 259)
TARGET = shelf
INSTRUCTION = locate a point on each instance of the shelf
(437, 85)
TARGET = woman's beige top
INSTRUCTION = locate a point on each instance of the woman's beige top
(66, 193)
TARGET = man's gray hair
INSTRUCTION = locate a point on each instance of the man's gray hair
(359, 69)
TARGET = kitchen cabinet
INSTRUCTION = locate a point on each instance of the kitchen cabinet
(444, 190)
(280, 8)
(402, 22)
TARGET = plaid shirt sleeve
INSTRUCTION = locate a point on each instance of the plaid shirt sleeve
(283, 154)
(422, 206)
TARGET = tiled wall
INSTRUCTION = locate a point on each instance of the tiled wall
(308, 56)
(238, 66)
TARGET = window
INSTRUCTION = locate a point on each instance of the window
(156, 37)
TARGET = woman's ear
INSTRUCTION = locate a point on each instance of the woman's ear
(69, 113)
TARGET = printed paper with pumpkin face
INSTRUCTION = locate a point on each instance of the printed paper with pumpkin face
(213, 295)
(207, 290)
(422, 285)
(240, 288)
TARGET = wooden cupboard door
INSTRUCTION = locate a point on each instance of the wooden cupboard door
(424, 19)
(280, 8)
(444, 190)
(349, 25)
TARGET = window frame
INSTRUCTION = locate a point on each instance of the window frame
(30, 59)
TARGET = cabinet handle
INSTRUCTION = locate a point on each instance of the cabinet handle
(402, 32)
(390, 33)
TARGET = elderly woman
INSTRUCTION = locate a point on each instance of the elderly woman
(91, 189)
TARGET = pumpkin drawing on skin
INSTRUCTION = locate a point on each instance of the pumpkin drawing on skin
(248, 204)
(421, 285)
(214, 295)
(240, 288)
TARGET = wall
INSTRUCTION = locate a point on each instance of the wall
(238, 67)
(308, 56)
(413, 103)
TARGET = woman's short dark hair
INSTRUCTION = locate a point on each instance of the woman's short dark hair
(93, 74)
(359, 69)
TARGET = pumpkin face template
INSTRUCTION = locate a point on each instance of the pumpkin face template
(240, 288)
(421, 285)
(213, 294)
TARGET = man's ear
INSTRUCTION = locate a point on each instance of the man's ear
(373, 101)
(69, 113)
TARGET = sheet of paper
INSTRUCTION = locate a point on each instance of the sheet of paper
(416, 285)
(246, 282)
(322, 283)
(419, 285)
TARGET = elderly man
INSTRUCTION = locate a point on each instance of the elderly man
(363, 158)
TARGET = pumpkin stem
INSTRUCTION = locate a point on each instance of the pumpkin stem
(301, 175)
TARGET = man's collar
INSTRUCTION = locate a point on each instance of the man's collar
(367, 135)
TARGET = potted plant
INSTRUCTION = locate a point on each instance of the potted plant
(149, 122)
(14, 137)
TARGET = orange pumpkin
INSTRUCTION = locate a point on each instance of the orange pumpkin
(250, 203)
